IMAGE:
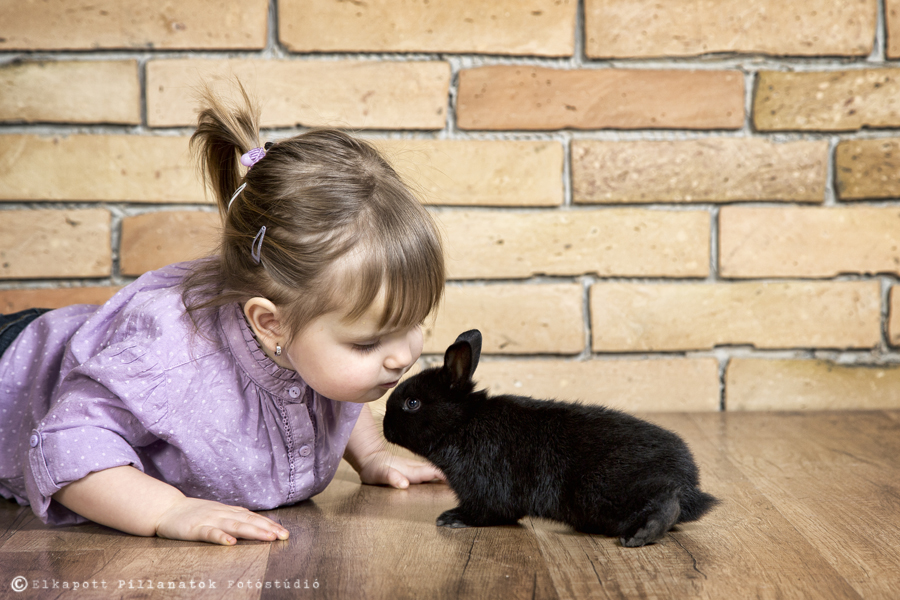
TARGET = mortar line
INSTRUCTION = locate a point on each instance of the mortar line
(879, 45)
(587, 282)
(831, 173)
(579, 51)
(886, 285)
(714, 245)
(724, 361)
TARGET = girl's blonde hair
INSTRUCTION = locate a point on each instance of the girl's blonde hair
(341, 226)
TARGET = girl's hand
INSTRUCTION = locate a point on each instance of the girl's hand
(383, 468)
(128, 500)
(207, 521)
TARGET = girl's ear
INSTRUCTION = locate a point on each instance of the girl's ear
(265, 321)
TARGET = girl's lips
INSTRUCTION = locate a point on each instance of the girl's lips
(389, 385)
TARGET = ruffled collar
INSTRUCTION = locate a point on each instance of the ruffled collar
(250, 355)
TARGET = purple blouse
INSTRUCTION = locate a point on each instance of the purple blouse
(86, 388)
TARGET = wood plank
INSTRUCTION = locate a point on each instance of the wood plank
(585, 566)
(811, 509)
(746, 539)
(176, 572)
(735, 551)
(130, 566)
(894, 415)
(376, 542)
(835, 477)
(11, 518)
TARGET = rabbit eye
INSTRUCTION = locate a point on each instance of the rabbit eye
(411, 405)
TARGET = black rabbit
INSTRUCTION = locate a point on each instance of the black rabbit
(506, 457)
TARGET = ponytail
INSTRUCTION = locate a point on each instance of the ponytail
(223, 134)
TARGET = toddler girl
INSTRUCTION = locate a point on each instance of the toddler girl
(238, 381)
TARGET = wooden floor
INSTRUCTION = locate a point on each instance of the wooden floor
(811, 509)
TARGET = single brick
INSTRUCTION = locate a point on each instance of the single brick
(650, 28)
(867, 169)
(707, 170)
(661, 385)
(483, 173)
(620, 242)
(533, 27)
(113, 168)
(892, 23)
(894, 317)
(526, 97)
(762, 384)
(55, 243)
(629, 317)
(95, 24)
(827, 100)
(513, 319)
(96, 91)
(15, 300)
(157, 239)
(346, 93)
(808, 242)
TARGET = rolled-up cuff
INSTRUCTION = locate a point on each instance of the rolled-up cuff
(47, 475)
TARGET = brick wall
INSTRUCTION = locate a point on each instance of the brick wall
(655, 205)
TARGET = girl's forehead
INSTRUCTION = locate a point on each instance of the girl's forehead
(368, 323)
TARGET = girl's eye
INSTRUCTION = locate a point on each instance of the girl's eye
(411, 405)
(366, 348)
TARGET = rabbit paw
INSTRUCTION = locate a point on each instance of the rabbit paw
(641, 538)
(660, 521)
(452, 518)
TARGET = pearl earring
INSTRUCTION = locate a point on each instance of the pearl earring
(277, 349)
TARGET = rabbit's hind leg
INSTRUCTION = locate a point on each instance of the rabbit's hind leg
(662, 516)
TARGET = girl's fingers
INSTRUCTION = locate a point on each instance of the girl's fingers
(208, 521)
(214, 535)
(396, 479)
(427, 473)
(265, 523)
(254, 527)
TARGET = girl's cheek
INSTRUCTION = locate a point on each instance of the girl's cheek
(417, 343)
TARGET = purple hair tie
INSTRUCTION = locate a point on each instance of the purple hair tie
(252, 157)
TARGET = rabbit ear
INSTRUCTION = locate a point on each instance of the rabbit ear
(473, 337)
(462, 357)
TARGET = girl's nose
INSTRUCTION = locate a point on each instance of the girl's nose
(400, 356)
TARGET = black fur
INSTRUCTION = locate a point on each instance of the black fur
(506, 457)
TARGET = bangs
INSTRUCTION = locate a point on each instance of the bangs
(407, 268)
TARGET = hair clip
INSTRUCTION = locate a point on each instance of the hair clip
(252, 157)
(235, 195)
(256, 246)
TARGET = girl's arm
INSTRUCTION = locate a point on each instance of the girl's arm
(368, 454)
(126, 499)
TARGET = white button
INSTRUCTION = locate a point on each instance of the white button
(294, 392)
(305, 451)
(34, 441)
